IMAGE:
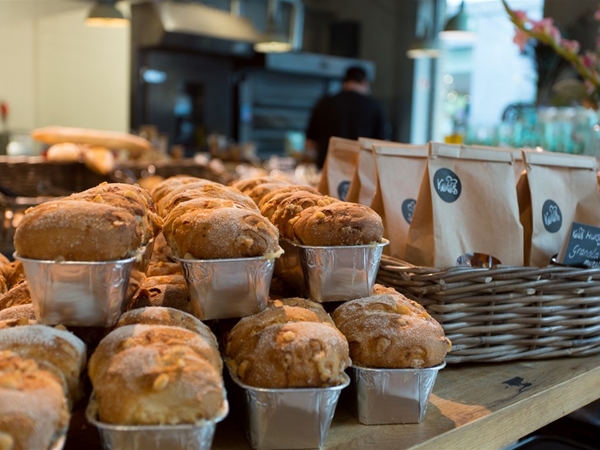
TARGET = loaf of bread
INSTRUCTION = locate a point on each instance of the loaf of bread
(287, 346)
(166, 186)
(289, 210)
(188, 191)
(339, 223)
(15, 313)
(387, 330)
(33, 408)
(294, 355)
(221, 233)
(164, 290)
(154, 315)
(245, 185)
(112, 139)
(55, 350)
(269, 203)
(77, 231)
(138, 335)
(158, 384)
(131, 198)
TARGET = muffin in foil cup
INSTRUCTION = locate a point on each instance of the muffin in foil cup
(290, 418)
(388, 396)
(76, 293)
(227, 288)
(331, 273)
(197, 436)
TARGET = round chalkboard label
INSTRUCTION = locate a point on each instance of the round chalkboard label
(408, 208)
(551, 216)
(343, 190)
(447, 185)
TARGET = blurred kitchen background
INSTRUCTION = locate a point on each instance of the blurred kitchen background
(185, 74)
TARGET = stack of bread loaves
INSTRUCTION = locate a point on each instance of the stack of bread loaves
(207, 220)
(108, 222)
(40, 370)
(304, 216)
(291, 344)
(160, 366)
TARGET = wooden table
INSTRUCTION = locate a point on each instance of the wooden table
(472, 406)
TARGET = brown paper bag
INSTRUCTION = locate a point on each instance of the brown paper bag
(364, 182)
(400, 169)
(467, 203)
(557, 190)
(518, 166)
(339, 167)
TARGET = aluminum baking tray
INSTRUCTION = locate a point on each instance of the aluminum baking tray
(386, 396)
(78, 293)
(333, 273)
(227, 288)
(197, 436)
(293, 418)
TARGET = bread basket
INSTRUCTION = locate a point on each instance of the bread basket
(505, 313)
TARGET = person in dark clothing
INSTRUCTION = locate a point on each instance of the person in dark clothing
(349, 114)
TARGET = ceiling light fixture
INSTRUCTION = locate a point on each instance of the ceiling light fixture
(105, 14)
(458, 28)
(275, 40)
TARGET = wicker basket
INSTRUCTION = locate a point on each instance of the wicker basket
(505, 313)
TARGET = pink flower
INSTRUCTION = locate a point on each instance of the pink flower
(521, 16)
(546, 27)
(589, 60)
(521, 38)
(570, 46)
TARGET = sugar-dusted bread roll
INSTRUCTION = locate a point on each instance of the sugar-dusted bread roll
(164, 290)
(127, 199)
(156, 315)
(269, 203)
(128, 336)
(17, 315)
(33, 408)
(53, 349)
(160, 384)
(77, 231)
(244, 336)
(166, 203)
(389, 331)
(294, 355)
(339, 223)
(245, 185)
(298, 302)
(221, 233)
(166, 186)
(215, 191)
(290, 208)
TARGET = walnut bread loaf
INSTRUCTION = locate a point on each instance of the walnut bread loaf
(386, 330)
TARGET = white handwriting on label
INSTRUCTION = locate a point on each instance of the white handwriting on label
(581, 251)
(447, 184)
(552, 216)
(593, 237)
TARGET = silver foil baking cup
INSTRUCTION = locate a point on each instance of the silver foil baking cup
(197, 436)
(386, 396)
(338, 273)
(292, 418)
(225, 288)
(78, 293)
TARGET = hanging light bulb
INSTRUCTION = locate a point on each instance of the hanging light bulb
(105, 14)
